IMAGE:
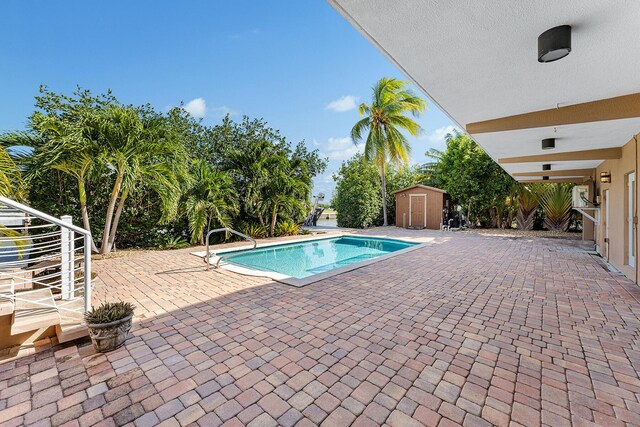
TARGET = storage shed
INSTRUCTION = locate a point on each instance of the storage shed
(420, 206)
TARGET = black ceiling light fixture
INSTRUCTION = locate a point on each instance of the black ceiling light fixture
(554, 43)
(546, 167)
(548, 143)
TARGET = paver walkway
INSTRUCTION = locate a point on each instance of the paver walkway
(472, 330)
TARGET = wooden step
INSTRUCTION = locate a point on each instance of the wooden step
(6, 299)
(72, 326)
(31, 316)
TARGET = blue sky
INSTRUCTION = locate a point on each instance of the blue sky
(297, 64)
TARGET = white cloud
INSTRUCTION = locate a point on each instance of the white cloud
(437, 136)
(223, 111)
(342, 148)
(342, 104)
(196, 107)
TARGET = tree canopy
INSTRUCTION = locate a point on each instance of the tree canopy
(135, 175)
(472, 178)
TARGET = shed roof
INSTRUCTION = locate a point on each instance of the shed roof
(426, 187)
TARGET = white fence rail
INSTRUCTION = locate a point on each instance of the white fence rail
(40, 251)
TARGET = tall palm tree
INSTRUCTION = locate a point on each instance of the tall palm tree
(211, 198)
(286, 189)
(139, 147)
(385, 119)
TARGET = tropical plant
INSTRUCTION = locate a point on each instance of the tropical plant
(109, 312)
(12, 184)
(257, 231)
(140, 148)
(428, 171)
(211, 199)
(384, 119)
(527, 204)
(171, 242)
(127, 170)
(286, 190)
(287, 228)
(556, 203)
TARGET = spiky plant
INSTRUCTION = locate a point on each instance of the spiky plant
(287, 228)
(109, 312)
(257, 231)
(556, 203)
(527, 204)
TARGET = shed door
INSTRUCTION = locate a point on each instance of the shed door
(417, 210)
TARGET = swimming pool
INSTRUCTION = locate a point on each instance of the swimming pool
(303, 262)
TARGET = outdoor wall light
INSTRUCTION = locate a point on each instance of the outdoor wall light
(548, 143)
(546, 167)
(605, 177)
(545, 178)
(554, 44)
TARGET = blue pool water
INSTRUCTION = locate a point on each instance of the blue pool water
(304, 259)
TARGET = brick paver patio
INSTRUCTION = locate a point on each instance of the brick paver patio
(469, 331)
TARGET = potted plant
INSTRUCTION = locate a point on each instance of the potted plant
(109, 325)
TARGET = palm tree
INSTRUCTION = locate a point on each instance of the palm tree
(211, 198)
(385, 119)
(286, 189)
(139, 147)
(12, 183)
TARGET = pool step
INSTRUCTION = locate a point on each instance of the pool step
(341, 263)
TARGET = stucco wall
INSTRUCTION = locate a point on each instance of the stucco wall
(618, 209)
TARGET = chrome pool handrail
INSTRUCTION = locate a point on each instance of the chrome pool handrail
(230, 230)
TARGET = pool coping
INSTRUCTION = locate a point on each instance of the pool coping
(300, 282)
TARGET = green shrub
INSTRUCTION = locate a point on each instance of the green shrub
(287, 228)
(256, 231)
(109, 312)
(357, 194)
(172, 242)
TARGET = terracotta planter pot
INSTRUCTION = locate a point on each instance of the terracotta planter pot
(109, 336)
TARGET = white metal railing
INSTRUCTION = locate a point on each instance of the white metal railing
(228, 230)
(40, 251)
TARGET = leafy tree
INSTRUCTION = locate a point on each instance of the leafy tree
(471, 177)
(211, 198)
(357, 194)
(384, 120)
(125, 169)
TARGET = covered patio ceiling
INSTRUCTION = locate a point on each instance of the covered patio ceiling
(478, 62)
